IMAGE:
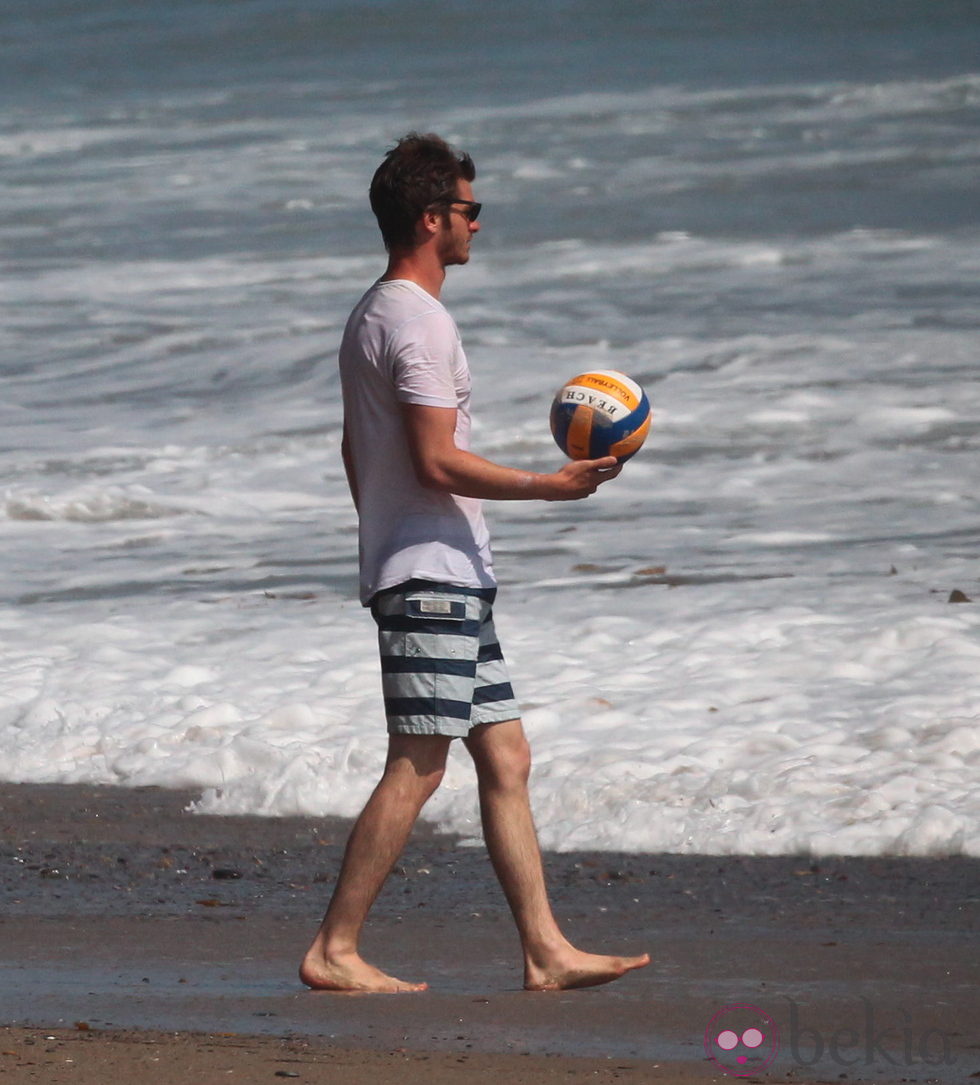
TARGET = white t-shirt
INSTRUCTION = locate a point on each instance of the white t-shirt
(402, 346)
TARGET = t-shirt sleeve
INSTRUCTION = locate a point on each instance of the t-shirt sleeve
(423, 353)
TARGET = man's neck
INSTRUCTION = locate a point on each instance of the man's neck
(419, 268)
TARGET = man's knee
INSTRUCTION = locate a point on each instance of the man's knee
(417, 763)
(503, 758)
(425, 777)
(519, 760)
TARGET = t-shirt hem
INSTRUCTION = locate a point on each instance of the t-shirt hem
(367, 594)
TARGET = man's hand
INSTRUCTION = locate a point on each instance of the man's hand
(579, 479)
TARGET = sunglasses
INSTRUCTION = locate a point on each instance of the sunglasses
(471, 209)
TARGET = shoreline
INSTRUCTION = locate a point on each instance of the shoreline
(180, 929)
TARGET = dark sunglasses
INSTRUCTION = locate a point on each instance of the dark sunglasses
(472, 208)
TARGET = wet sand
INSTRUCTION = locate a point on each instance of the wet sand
(138, 938)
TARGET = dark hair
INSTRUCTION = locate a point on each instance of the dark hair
(419, 172)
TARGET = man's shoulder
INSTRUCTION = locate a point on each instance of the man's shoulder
(400, 296)
(397, 321)
(401, 311)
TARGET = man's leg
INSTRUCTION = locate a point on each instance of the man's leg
(502, 758)
(413, 771)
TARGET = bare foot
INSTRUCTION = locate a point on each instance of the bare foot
(350, 973)
(574, 968)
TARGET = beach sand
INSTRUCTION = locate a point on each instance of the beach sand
(140, 939)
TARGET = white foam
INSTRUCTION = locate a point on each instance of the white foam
(708, 720)
(86, 504)
(60, 141)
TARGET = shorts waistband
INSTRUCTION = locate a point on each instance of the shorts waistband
(418, 584)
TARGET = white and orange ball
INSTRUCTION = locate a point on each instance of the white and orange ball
(600, 413)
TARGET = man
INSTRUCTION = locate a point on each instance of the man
(426, 573)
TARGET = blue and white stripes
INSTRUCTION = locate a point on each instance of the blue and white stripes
(442, 670)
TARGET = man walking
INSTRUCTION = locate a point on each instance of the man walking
(426, 573)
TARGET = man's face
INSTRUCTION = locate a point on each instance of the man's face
(457, 230)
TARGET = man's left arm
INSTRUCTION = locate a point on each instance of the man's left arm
(347, 457)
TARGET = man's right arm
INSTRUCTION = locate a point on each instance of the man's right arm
(440, 465)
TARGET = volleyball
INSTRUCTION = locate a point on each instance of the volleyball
(600, 413)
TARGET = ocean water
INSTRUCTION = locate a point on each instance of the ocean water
(766, 213)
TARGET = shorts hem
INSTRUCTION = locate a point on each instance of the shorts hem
(429, 729)
(502, 716)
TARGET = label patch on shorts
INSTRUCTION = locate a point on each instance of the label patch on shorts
(437, 608)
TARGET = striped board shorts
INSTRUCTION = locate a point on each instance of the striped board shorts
(442, 671)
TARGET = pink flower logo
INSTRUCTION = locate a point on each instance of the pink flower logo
(741, 1039)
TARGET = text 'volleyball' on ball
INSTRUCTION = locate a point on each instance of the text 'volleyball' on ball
(600, 413)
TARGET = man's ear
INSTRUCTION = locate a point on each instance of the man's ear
(429, 224)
